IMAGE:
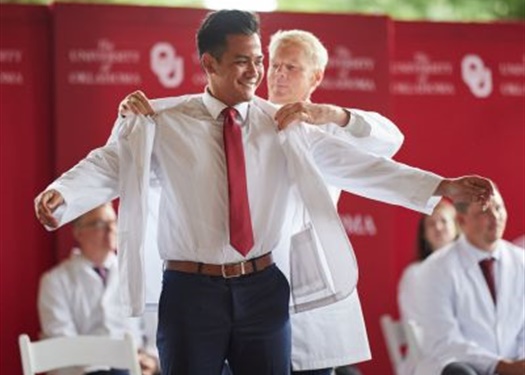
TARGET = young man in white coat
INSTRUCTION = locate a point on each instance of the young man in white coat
(80, 296)
(472, 299)
(223, 297)
(333, 335)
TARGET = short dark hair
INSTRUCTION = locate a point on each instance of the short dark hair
(424, 249)
(216, 26)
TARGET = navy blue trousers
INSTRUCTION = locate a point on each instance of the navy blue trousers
(205, 320)
(344, 370)
(323, 371)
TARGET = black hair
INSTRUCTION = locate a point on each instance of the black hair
(423, 246)
(424, 249)
(216, 26)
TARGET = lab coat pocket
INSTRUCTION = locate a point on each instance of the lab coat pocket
(308, 276)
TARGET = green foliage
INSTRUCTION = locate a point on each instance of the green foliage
(442, 10)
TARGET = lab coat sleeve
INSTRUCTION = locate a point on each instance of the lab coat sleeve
(371, 132)
(94, 180)
(443, 339)
(90, 183)
(369, 175)
(54, 310)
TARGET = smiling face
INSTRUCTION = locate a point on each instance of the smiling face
(291, 75)
(236, 74)
(483, 228)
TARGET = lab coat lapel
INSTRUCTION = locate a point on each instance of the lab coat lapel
(506, 287)
(473, 272)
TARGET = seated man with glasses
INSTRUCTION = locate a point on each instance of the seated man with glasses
(80, 296)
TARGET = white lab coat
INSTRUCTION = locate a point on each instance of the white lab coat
(406, 292)
(332, 335)
(325, 269)
(73, 301)
(457, 314)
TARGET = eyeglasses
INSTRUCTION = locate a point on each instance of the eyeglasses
(100, 225)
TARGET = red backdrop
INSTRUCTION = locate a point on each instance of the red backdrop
(101, 53)
(26, 164)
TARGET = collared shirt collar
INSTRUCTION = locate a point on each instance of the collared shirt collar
(475, 254)
(215, 106)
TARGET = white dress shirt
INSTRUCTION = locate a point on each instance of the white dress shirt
(457, 314)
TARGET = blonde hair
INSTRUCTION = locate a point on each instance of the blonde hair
(315, 50)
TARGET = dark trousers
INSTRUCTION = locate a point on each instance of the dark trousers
(347, 370)
(344, 370)
(321, 371)
(459, 368)
(204, 320)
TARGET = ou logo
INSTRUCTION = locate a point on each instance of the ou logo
(165, 63)
(476, 75)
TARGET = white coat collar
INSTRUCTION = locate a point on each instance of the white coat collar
(474, 255)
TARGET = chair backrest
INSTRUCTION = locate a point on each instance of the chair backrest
(396, 341)
(403, 341)
(60, 352)
(414, 336)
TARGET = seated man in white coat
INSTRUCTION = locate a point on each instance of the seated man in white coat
(333, 335)
(472, 299)
(80, 296)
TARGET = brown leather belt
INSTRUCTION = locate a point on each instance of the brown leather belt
(227, 271)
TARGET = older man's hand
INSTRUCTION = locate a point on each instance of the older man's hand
(315, 114)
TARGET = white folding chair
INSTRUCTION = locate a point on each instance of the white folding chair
(403, 342)
(60, 352)
(414, 336)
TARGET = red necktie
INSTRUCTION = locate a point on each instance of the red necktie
(487, 267)
(241, 234)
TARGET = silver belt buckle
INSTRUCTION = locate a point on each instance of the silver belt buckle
(226, 276)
